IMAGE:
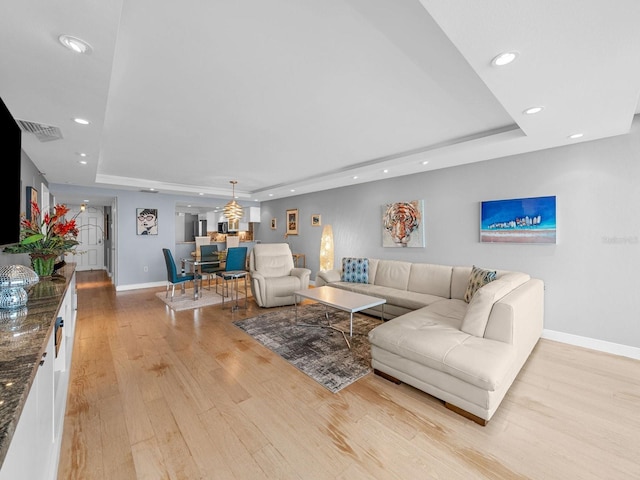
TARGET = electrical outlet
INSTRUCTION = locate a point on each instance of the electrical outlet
(145, 268)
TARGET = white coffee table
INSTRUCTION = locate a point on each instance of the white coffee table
(342, 300)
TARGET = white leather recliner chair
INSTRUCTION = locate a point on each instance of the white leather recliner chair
(273, 275)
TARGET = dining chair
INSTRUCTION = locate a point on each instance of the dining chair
(235, 268)
(173, 278)
(209, 253)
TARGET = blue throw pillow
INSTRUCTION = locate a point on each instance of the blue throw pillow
(355, 270)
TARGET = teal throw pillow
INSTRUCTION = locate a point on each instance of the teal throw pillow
(355, 270)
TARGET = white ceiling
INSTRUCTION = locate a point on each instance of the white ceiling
(304, 95)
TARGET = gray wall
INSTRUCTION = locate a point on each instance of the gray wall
(589, 274)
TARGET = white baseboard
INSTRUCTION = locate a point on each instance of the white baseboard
(592, 343)
(137, 286)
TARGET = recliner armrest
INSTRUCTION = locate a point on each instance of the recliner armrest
(298, 271)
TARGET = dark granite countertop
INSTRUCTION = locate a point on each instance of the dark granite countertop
(22, 342)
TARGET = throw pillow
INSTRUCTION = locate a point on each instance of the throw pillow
(478, 278)
(355, 270)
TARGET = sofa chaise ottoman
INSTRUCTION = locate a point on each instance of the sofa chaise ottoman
(460, 334)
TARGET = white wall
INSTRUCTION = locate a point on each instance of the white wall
(589, 274)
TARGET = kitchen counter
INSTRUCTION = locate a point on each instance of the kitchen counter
(22, 342)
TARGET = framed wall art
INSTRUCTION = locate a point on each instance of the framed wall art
(32, 196)
(519, 220)
(274, 224)
(316, 220)
(147, 221)
(292, 221)
(403, 224)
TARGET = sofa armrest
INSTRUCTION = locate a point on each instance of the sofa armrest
(327, 276)
(518, 317)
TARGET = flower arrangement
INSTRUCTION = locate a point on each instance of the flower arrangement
(45, 238)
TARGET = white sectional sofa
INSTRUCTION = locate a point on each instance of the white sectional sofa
(464, 352)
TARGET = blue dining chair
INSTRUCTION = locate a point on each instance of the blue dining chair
(235, 268)
(173, 278)
(209, 253)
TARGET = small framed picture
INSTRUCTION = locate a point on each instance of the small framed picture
(32, 196)
(274, 224)
(316, 220)
(292, 221)
(147, 221)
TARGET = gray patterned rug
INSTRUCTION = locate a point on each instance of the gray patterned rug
(321, 353)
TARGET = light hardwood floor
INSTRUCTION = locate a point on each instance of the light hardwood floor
(162, 395)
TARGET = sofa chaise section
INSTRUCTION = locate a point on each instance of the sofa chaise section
(466, 353)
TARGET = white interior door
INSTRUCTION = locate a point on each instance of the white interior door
(91, 237)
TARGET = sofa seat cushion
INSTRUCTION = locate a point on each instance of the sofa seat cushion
(431, 337)
(402, 298)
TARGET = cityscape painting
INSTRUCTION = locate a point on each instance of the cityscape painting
(520, 220)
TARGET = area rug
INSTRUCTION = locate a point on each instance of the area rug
(321, 353)
(207, 298)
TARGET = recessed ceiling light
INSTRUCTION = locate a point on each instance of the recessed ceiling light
(86, 201)
(533, 110)
(82, 154)
(75, 44)
(188, 206)
(426, 162)
(271, 194)
(293, 190)
(201, 193)
(82, 162)
(504, 59)
(81, 121)
(386, 170)
(576, 135)
(355, 177)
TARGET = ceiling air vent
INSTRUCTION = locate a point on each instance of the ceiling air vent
(44, 133)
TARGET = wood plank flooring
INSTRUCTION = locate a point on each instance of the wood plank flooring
(161, 395)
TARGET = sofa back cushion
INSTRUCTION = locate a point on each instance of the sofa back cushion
(459, 282)
(373, 268)
(477, 315)
(431, 279)
(393, 273)
(271, 259)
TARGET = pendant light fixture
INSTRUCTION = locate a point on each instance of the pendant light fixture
(232, 210)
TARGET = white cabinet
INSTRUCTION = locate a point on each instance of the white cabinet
(212, 221)
(30, 454)
(251, 214)
(34, 450)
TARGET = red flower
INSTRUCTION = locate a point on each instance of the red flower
(52, 234)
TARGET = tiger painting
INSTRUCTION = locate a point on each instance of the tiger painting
(400, 220)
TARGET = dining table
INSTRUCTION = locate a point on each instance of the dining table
(195, 264)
